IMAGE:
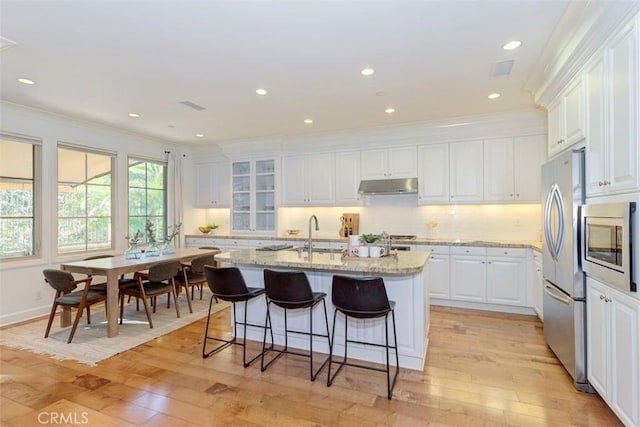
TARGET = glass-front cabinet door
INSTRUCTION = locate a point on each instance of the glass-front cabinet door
(253, 184)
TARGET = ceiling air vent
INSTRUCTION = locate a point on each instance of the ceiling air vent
(502, 68)
(193, 105)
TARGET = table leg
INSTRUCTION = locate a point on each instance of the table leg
(112, 304)
(65, 317)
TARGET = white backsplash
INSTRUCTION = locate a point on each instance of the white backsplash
(399, 214)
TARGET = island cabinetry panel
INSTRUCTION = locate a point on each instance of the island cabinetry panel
(213, 189)
(389, 163)
(308, 180)
(613, 349)
(412, 317)
(466, 171)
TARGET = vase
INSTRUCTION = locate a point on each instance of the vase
(167, 248)
(133, 251)
(152, 250)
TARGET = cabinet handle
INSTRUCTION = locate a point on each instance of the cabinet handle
(483, 262)
(602, 297)
(559, 142)
(607, 182)
(607, 300)
(600, 183)
(511, 195)
(517, 194)
(487, 262)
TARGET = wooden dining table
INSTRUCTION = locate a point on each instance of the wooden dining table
(113, 267)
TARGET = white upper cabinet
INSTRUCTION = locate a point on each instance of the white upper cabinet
(529, 155)
(308, 180)
(613, 159)
(433, 178)
(465, 171)
(347, 178)
(213, 185)
(389, 163)
(566, 118)
(498, 169)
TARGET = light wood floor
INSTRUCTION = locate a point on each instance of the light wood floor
(482, 369)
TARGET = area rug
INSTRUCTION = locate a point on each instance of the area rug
(90, 344)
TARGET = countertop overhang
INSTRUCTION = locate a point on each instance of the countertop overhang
(404, 263)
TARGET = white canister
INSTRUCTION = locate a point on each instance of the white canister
(362, 251)
(354, 242)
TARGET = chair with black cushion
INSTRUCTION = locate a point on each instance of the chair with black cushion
(363, 298)
(290, 290)
(158, 281)
(65, 286)
(228, 285)
(192, 276)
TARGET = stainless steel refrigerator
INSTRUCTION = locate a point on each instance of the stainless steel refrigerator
(564, 299)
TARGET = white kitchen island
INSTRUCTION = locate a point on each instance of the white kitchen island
(406, 280)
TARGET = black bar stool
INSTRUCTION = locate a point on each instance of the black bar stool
(228, 284)
(363, 298)
(291, 290)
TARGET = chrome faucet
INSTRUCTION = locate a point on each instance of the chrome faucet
(310, 243)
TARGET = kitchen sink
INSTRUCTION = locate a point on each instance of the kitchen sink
(318, 249)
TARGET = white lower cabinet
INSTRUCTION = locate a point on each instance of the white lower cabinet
(538, 284)
(438, 271)
(613, 349)
(468, 274)
(506, 276)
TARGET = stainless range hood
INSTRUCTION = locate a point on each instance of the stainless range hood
(389, 186)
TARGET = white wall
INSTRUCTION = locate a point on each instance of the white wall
(23, 292)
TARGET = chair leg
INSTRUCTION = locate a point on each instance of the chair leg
(51, 316)
(333, 341)
(175, 299)
(88, 315)
(146, 310)
(122, 306)
(186, 293)
(226, 343)
(75, 322)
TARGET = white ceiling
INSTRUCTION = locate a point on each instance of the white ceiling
(100, 60)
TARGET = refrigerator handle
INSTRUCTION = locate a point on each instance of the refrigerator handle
(549, 290)
(547, 223)
(562, 225)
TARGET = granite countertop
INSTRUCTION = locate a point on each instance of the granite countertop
(536, 245)
(405, 263)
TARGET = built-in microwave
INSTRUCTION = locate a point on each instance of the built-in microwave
(607, 249)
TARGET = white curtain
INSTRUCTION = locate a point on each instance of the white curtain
(174, 193)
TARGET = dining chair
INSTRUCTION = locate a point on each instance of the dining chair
(160, 280)
(123, 282)
(192, 275)
(65, 286)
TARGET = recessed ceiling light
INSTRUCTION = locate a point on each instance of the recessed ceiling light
(199, 135)
(261, 91)
(135, 115)
(308, 121)
(512, 45)
(390, 110)
(493, 95)
(26, 81)
(367, 71)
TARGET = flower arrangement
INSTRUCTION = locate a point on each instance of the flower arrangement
(135, 239)
(172, 232)
(150, 228)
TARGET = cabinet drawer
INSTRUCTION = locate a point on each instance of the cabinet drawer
(468, 250)
(510, 252)
(435, 250)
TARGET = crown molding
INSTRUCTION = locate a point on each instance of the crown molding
(580, 34)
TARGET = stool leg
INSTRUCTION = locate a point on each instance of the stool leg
(311, 376)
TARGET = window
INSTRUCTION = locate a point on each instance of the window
(85, 200)
(147, 197)
(19, 188)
